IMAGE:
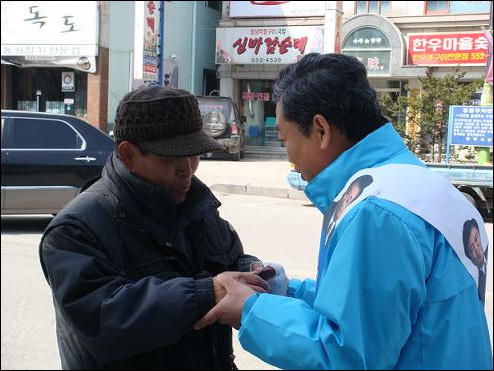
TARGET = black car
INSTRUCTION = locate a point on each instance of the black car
(222, 121)
(47, 160)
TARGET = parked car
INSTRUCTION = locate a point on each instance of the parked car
(47, 160)
(222, 121)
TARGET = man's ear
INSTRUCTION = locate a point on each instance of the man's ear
(321, 130)
(127, 153)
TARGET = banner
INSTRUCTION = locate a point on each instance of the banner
(267, 45)
(447, 49)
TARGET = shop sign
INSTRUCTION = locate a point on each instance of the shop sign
(366, 38)
(468, 48)
(255, 96)
(150, 50)
(68, 83)
(43, 33)
(376, 62)
(470, 126)
(85, 64)
(371, 47)
(267, 45)
(147, 23)
(263, 9)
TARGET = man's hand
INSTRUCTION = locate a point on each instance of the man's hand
(274, 274)
(252, 280)
(229, 309)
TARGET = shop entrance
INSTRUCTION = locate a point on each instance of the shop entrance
(259, 108)
(41, 89)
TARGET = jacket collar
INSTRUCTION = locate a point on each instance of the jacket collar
(139, 202)
(373, 150)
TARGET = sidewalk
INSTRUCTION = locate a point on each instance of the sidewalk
(260, 177)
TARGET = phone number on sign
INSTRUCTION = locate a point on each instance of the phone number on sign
(265, 60)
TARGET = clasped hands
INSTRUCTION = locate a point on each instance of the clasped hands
(231, 289)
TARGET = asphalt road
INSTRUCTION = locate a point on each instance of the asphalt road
(275, 229)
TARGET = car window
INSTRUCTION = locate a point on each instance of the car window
(27, 133)
(3, 136)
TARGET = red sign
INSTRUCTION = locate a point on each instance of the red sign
(447, 49)
(255, 96)
(271, 44)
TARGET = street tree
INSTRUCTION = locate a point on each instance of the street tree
(425, 111)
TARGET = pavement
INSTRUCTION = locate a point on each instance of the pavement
(259, 177)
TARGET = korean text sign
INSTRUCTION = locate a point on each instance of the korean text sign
(47, 29)
(447, 49)
(267, 45)
(470, 125)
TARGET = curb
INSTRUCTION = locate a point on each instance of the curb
(260, 191)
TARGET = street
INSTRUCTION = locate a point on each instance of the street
(274, 229)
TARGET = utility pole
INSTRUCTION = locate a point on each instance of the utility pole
(161, 47)
(483, 153)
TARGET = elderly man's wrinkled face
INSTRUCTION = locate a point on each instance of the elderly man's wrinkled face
(475, 247)
(173, 174)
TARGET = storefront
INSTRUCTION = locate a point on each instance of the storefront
(395, 58)
(395, 55)
(48, 52)
(250, 59)
(52, 90)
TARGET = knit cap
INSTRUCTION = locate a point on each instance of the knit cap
(164, 121)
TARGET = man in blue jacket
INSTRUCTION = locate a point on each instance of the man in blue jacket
(394, 288)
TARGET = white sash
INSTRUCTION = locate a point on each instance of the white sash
(429, 195)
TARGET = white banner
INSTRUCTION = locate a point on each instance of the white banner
(49, 28)
(429, 195)
(267, 45)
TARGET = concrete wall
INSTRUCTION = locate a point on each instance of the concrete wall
(121, 46)
(190, 35)
(205, 44)
(178, 38)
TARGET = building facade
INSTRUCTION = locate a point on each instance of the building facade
(82, 58)
(398, 41)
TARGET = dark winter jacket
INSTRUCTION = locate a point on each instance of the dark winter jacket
(131, 273)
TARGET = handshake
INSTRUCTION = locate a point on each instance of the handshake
(231, 289)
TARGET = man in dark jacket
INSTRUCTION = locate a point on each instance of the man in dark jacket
(133, 261)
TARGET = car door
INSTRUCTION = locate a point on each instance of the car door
(42, 167)
(3, 139)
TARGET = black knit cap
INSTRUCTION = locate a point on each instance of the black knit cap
(164, 121)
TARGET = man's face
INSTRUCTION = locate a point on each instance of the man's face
(475, 246)
(173, 174)
(348, 197)
(299, 148)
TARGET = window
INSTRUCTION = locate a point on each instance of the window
(44, 134)
(437, 7)
(216, 5)
(456, 7)
(375, 7)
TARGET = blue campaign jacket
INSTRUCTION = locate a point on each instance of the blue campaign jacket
(390, 292)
